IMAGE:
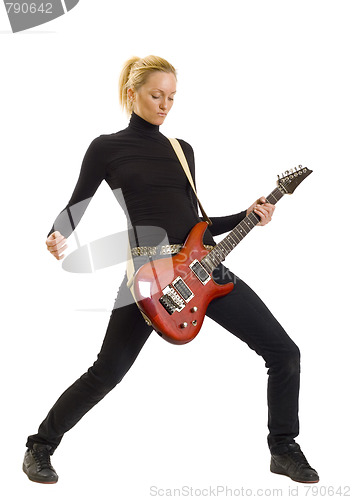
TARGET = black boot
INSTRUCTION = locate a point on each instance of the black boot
(37, 465)
(293, 464)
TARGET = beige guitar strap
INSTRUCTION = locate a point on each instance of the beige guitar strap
(130, 266)
(181, 156)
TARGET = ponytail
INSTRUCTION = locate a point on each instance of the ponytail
(123, 83)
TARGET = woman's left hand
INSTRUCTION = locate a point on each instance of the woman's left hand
(262, 208)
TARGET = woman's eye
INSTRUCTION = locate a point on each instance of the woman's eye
(155, 96)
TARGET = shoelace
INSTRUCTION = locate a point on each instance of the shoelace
(299, 458)
(42, 458)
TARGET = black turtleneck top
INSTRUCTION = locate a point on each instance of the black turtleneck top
(147, 179)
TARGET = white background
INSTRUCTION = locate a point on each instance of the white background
(263, 87)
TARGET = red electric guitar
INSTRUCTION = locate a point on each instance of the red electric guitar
(174, 292)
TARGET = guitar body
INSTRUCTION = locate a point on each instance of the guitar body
(174, 292)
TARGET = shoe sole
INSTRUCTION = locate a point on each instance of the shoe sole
(36, 480)
(276, 469)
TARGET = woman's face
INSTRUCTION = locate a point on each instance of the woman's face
(155, 98)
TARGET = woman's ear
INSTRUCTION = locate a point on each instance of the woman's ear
(130, 94)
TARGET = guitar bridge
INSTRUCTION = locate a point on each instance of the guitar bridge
(171, 300)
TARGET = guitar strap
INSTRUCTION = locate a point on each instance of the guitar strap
(130, 265)
(181, 156)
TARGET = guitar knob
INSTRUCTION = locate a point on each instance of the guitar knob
(194, 322)
(183, 325)
(194, 309)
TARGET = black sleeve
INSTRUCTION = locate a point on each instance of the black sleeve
(219, 225)
(91, 174)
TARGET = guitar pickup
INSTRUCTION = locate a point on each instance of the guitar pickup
(183, 289)
(200, 272)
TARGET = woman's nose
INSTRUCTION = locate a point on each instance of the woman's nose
(163, 105)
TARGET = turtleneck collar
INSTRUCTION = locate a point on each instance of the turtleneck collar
(138, 123)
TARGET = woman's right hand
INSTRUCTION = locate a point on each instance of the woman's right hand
(56, 244)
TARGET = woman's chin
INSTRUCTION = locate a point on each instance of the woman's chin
(160, 119)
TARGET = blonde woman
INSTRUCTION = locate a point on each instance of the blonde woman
(140, 162)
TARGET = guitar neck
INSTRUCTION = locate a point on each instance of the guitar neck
(222, 249)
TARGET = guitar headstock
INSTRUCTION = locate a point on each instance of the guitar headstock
(292, 178)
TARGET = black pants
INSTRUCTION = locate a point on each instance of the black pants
(241, 312)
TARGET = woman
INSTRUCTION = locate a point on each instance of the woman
(139, 162)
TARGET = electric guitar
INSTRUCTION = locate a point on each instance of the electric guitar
(174, 293)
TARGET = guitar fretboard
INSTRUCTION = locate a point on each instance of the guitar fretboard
(222, 249)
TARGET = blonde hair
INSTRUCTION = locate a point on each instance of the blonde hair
(135, 73)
